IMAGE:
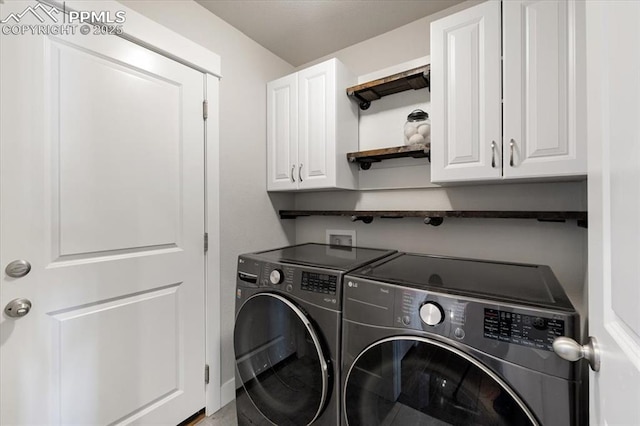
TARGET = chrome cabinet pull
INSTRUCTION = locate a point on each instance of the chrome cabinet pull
(493, 154)
(300, 172)
(511, 144)
(293, 179)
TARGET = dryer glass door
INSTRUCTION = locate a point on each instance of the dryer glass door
(280, 360)
(417, 381)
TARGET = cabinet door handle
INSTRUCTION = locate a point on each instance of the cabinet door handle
(493, 154)
(293, 166)
(511, 145)
(300, 172)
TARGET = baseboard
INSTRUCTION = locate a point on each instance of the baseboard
(227, 392)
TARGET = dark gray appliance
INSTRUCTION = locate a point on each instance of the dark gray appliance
(431, 340)
(287, 334)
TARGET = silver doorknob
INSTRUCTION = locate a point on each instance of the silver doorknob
(18, 268)
(569, 349)
(18, 308)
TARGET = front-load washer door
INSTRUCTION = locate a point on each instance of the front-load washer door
(280, 360)
(412, 380)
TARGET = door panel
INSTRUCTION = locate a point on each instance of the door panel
(282, 133)
(317, 125)
(542, 86)
(102, 191)
(134, 190)
(466, 90)
(613, 36)
(89, 371)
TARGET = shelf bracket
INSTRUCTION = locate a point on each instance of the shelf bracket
(433, 221)
(365, 219)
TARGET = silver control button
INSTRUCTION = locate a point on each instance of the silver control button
(431, 313)
(276, 276)
(459, 333)
(406, 320)
(289, 288)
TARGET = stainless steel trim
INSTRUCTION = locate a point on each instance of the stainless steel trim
(324, 366)
(293, 166)
(444, 346)
(300, 172)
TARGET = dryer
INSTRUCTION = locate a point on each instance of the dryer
(287, 334)
(431, 340)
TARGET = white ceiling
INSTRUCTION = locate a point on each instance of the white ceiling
(300, 31)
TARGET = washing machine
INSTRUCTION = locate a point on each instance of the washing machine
(287, 334)
(430, 340)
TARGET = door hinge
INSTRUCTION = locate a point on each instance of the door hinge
(206, 242)
(206, 374)
(205, 109)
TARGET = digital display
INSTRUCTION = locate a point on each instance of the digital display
(319, 283)
(525, 330)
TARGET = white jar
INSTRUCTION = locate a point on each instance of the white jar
(417, 128)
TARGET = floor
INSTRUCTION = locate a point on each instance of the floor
(226, 416)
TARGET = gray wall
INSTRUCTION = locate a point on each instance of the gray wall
(248, 215)
(560, 245)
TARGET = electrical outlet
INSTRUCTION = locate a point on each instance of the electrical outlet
(341, 237)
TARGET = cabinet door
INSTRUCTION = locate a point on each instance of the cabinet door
(317, 116)
(466, 95)
(543, 111)
(282, 134)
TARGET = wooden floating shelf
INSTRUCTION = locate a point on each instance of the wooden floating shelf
(436, 217)
(416, 78)
(365, 158)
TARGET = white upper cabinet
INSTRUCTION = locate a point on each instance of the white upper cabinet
(311, 125)
(466, 127)
(526, 122)
(282, 132)
(543, 92)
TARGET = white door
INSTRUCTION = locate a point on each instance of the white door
(317, 124)
(282, 134)
(544, 89)
(613, 70)
(466, 95)
(102, 191)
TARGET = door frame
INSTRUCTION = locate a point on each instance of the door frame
(147, 33)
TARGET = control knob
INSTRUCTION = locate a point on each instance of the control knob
(276, 277)
(431, 313)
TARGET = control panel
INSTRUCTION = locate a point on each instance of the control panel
(318, 283)
(526, 330)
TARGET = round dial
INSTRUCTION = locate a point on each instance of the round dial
(431, 313)
(276, 276)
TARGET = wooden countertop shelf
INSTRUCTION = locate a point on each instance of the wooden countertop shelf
(436, 217)
(416, 78)
(365, 158)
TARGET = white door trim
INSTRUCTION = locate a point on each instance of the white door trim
(212, 227)
(149, 34)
